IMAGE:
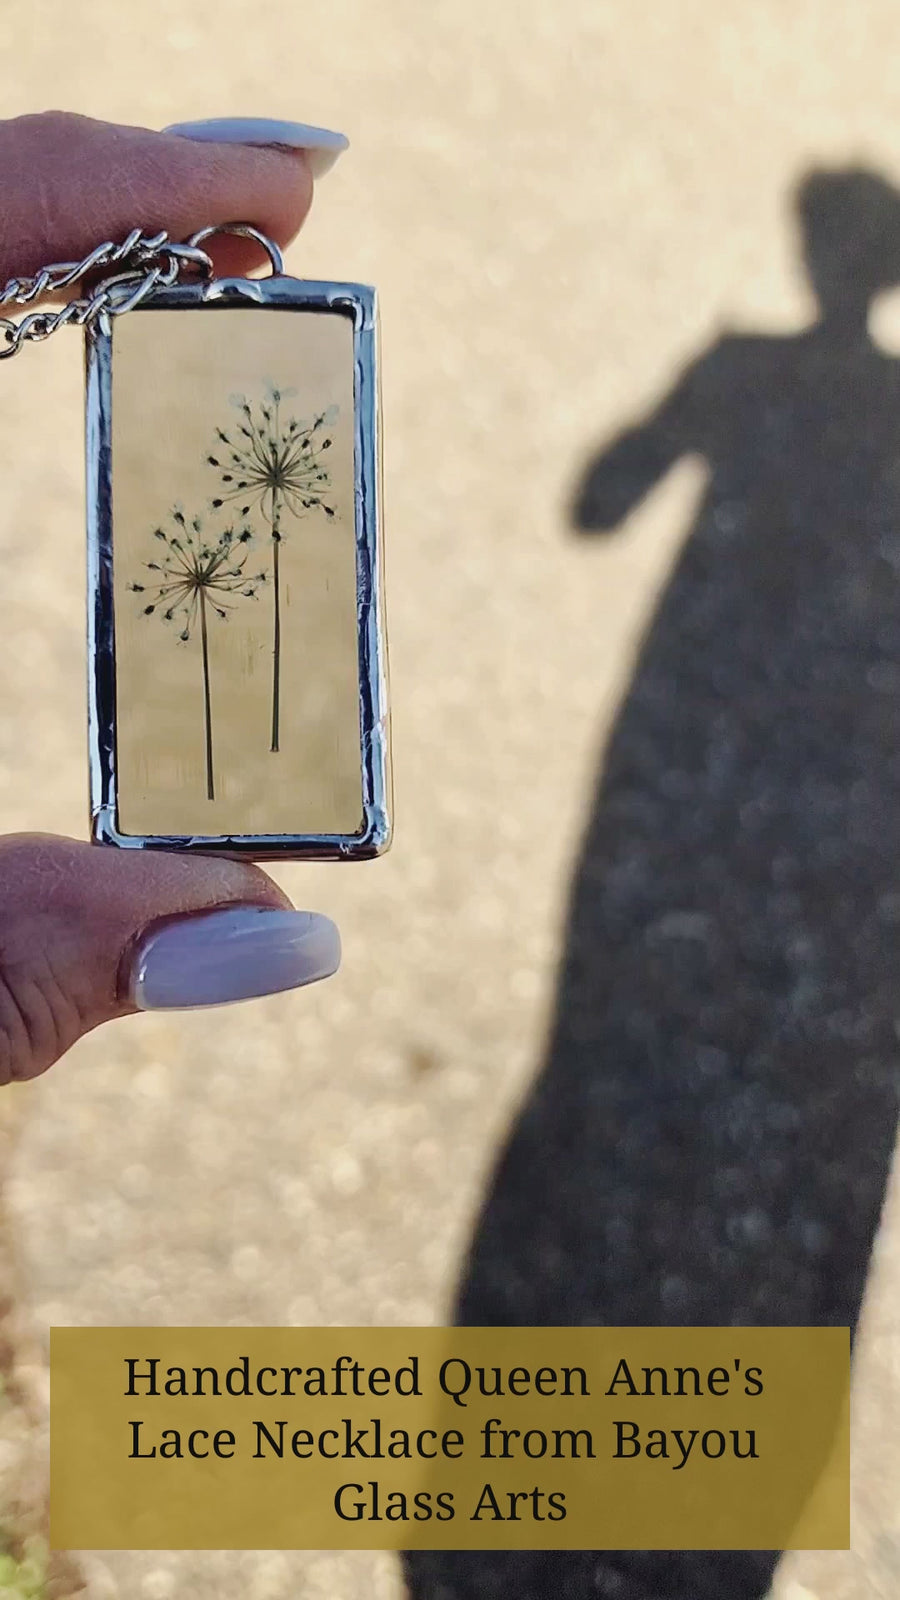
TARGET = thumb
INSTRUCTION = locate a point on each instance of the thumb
(67, 182)
(89, 934)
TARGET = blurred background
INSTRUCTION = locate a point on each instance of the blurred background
(614, 1038)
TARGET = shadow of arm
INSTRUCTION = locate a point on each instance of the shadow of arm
(619, 477)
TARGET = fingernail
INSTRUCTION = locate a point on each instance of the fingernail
(322, 145)
(211, 958)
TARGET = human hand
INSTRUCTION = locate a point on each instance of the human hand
(89, 934)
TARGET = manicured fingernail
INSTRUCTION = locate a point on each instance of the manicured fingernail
(213, 957)
(322, 145)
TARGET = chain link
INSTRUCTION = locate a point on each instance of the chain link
(146, 262)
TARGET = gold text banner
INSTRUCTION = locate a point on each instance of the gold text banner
(449, 1438)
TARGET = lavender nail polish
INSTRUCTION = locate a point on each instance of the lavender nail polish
(322, 145)
(213, 958)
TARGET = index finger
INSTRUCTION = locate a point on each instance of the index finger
(67, 183)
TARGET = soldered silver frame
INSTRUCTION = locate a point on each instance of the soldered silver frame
(359, 303)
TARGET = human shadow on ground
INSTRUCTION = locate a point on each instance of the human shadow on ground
(709, 1138)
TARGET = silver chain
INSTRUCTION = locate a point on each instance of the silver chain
(145, 262)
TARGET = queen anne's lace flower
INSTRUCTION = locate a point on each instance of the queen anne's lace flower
(274, 461)
(277, 463)
(192, 570)
(195, 573)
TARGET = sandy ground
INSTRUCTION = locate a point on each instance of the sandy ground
(561, 206)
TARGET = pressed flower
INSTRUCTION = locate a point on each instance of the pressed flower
(277, 463)
(196, 572)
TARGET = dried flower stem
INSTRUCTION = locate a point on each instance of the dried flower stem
(277, 464)
(191, 573)
(276, 641)
(210, 781)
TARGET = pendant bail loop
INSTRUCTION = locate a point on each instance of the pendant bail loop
(245, 231)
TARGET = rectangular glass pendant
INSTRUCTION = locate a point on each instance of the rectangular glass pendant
(238, 683)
